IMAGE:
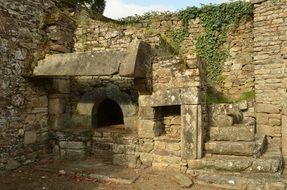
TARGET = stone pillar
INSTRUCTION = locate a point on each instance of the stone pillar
(57, 103)
(191, 133)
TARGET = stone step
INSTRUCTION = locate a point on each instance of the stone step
(231, 181)
(272, 165)
(255, 148)
(236, 133)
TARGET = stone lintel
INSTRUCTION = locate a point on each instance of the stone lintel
(135, 63)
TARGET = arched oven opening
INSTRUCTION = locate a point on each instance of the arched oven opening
(109, 114)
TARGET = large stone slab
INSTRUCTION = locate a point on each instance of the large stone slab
(237, 133)
(80, 64)
(225, 164)
(137, 62)
(233, 148)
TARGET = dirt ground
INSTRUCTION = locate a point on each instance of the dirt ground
(29, 178)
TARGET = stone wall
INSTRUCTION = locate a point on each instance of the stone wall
(238, 71)
(270, 51)
(24, 101)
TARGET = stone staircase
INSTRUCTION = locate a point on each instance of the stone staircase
(235, 147)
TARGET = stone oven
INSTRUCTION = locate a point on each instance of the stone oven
(133, 107)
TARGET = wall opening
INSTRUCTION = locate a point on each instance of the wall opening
(109, 114)
(170, 119)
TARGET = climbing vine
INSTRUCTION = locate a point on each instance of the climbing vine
(216, 20)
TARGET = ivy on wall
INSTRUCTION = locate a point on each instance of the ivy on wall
(216, 20)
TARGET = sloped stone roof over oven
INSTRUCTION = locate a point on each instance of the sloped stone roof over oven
(132, 63)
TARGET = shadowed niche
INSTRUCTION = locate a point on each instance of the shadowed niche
(109, 114)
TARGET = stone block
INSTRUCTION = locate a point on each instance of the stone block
(146, 159)
(274, 122)
(243, 105)
(267, 165)
(275, 186)
(126, 160)
(80, 121)
(234, 165)
(183, 180)
(73, 154)
(124, 149)
(262, 118)
(267, 108)
(166, 98)
(58, 121)
(149, 128)
(12, 164)
(243, 133)
(84, 108)
(72, 145)
(145, 100)
(233, 148)
(61, 85)
(30, 137)
(167, 159)
(80, 64)
(56, 106)
(222, 121)
(176, 120)
(146, 112)
(131, 123)
(146, 146)
(191, 132)
(40, 101)
(190, 96)
(173, 147)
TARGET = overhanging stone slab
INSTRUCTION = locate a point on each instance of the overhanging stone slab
(135, 62)
(80, 64)
(140, 55)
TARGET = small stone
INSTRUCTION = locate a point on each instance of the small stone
(62, 172)
(12, 164)
(183, 180)
(30, 137)
(243, 105)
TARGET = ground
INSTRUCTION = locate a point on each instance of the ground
(37, 178)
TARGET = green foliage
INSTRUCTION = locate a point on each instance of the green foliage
(249, 95)
(177, 36)
(97, 6)
(217, 98)
(216, 20)
(145, 17)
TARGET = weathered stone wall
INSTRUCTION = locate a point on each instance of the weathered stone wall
(270, 27)
(24, 101)
(238, 71)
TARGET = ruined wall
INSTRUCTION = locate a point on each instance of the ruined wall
(24, 101)
(238, 71)
(270, 27)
